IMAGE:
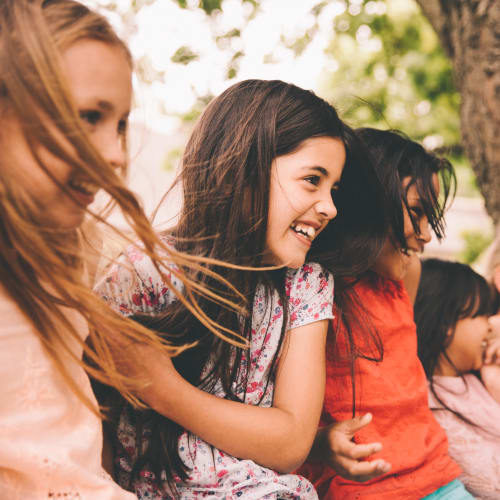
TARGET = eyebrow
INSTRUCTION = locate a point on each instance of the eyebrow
(109, 107)
(105, 105)
(317, 168)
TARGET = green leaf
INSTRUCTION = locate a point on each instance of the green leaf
(209, 6)
(184, 55)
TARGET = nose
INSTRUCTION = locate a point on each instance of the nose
(326, 207)
(425, 231)
(112, 149)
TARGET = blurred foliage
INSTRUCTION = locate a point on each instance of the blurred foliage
(475, 242)
(172, 159)
(388, 70)
(384, 68)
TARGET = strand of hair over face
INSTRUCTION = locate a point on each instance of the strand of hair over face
(42, 268)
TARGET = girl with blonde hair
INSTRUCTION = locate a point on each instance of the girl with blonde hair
(65, 92)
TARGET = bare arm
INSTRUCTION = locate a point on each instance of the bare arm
(412, 278)
(279, 437)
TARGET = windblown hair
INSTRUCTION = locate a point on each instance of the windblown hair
(395, 158)
(398, 157)
(447, 293)
(41, 266)
(225, 179)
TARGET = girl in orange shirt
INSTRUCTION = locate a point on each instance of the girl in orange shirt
(408, 450)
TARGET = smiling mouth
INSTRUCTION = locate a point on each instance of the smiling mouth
(83, 187)
(304, 229)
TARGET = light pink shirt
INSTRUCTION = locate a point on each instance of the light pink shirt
(50, 442)
(476, 449)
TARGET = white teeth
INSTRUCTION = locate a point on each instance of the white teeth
(304, 229)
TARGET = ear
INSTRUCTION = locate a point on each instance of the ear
(496, 278)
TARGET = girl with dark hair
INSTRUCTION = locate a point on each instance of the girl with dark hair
(258, 176)
(454, 336)
(379, 377)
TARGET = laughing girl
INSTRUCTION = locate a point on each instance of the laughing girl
(258, 176)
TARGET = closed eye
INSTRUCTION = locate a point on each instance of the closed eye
(91, 116)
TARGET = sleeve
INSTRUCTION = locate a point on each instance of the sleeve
(310, 291)
(134, 286)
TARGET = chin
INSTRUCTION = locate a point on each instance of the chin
(294, 262)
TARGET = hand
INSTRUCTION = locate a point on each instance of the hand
(492, 351)
(490, 375)
(336, 447)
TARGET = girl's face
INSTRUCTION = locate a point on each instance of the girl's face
(300, 201)
(392, 262)
(99, 78)
(467, 345)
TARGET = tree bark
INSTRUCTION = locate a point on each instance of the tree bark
(469, 31)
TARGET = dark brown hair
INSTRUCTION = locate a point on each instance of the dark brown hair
(395, 157)
(447, 293)
(225, 180)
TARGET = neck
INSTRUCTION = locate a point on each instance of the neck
(445, 369)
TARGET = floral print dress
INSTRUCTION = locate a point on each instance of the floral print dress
(134, 286)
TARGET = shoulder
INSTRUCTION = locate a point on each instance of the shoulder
(310, 294)
(311, 276)
(133, 284)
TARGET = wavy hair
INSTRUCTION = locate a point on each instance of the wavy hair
(398, 157)
(41, 266)
(225, 179)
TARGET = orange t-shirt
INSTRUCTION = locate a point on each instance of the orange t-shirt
(395, 392)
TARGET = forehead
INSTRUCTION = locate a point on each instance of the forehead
(321, 154)
(412, 194)
(98, 70)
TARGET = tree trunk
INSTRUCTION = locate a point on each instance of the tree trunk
(469, 31)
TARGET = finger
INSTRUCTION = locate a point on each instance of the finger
(490, 354)
(350, 427)
(359, 451)
(364, 471)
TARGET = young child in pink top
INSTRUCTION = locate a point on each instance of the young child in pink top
(460, 353)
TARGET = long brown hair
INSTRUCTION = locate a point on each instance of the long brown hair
(225, 178)
(41, 266)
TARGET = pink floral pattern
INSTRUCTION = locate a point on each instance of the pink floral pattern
(136, 287)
